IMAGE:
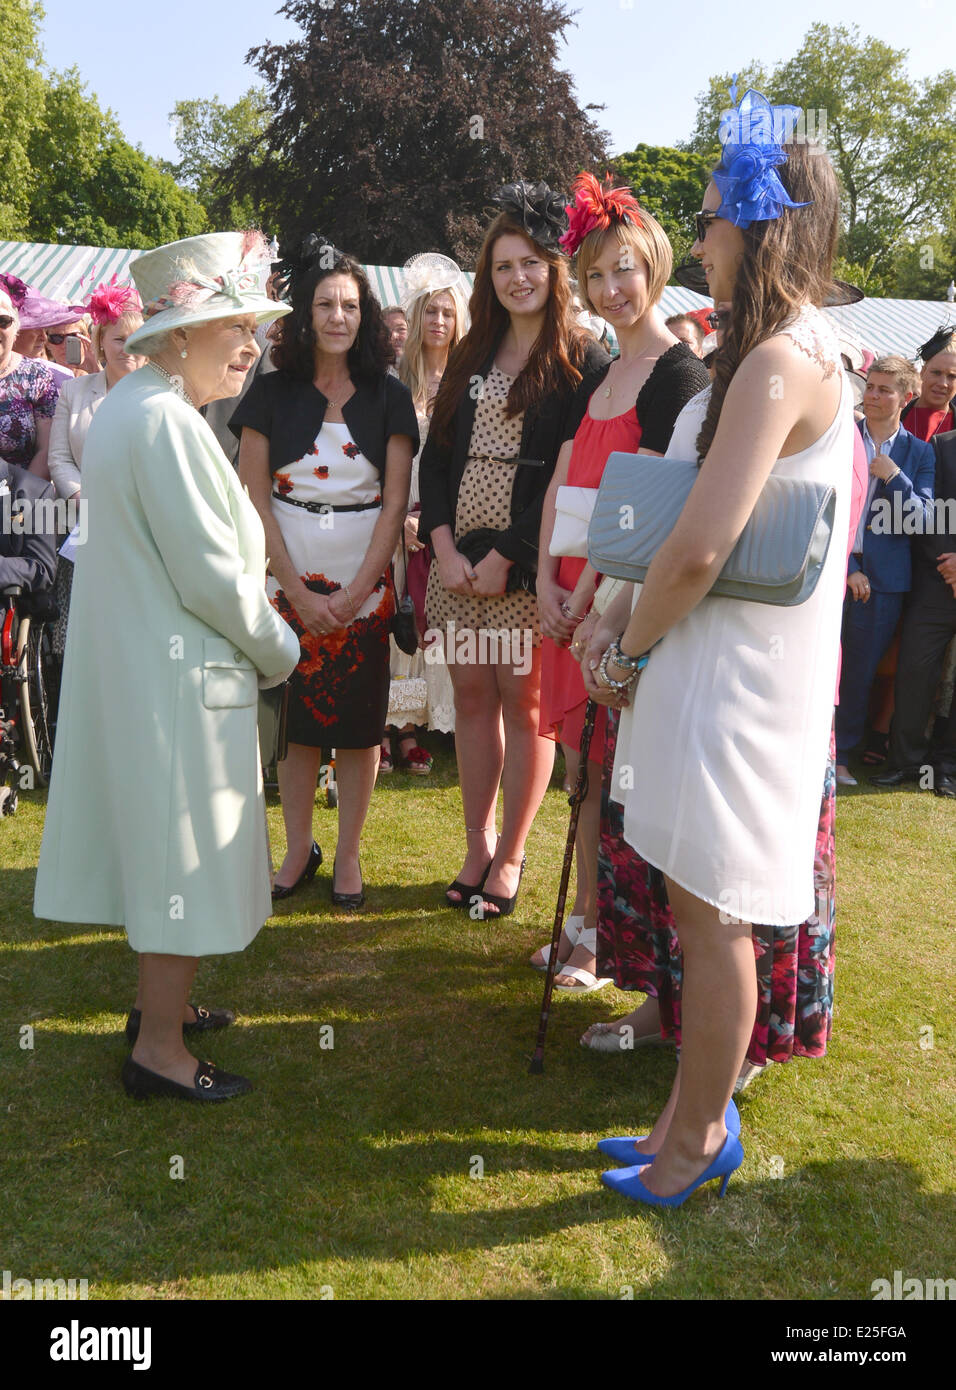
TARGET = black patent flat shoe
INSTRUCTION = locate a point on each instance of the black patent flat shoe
(350, 900)
(307, 875)
(206, 1021)
(209, 1084)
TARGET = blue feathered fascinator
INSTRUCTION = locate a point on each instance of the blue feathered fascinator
(746, 178)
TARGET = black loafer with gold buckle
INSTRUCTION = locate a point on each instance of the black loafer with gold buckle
(209, 1083)
(206, 1021)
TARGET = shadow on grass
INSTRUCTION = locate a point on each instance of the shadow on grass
(358, 1145)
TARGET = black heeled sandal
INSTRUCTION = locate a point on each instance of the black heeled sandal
(505, 906)
(467, 890)
(471, 890)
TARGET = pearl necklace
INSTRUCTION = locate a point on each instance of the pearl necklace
(176, 382)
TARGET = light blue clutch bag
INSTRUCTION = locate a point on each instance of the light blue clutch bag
(780, 553)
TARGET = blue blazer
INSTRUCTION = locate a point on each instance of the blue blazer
(887, 558)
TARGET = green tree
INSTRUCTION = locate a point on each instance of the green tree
(209, 136)
(669, 183)
(21, 100)
(95, 188)
(923, 269)
(394, 121)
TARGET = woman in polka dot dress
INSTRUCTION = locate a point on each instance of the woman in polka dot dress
(503, 410)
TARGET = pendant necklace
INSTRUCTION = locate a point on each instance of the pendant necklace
(609, 388)
(337, 405)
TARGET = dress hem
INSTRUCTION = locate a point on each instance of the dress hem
(766, 922)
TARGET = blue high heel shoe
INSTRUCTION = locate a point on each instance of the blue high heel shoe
(621, 1149)
(627, 1180)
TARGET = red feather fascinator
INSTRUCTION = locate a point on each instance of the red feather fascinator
(111, 300)
(596, 207)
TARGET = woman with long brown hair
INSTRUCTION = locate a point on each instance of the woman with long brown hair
(732, 710)
(503, 410)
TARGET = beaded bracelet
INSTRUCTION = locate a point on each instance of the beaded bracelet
(609, 681)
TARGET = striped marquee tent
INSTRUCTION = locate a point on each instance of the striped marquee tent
(68, 273)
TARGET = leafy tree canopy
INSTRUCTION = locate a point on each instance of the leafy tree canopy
(393, 120)
(96, 188)
(209, 136)
(21, 97)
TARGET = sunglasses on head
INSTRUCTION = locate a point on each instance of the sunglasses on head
(703, 221)
(5, 321)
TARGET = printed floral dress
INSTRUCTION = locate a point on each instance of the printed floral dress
(637, 944)
(326, 505)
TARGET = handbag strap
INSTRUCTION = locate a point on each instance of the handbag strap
(391, 570)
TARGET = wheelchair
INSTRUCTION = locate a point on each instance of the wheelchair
(29, 692)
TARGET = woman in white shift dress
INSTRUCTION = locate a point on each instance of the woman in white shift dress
(729, 731)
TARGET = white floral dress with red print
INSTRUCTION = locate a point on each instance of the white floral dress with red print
(339, 690)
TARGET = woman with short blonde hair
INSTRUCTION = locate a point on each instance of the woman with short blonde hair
(623, 263)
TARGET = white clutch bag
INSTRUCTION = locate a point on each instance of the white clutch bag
(572, 517)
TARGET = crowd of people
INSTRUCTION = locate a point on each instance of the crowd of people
(431, 468)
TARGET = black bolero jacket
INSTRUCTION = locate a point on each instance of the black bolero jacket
(544, 430)
(677, 376)
(290, 411)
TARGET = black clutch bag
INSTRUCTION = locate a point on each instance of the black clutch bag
(474, 545)
(404, 627)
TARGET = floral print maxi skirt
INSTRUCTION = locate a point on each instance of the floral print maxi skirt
(638, 946)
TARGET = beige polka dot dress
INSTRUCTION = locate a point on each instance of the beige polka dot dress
(484, 499)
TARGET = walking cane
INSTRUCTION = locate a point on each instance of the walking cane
(574, 801)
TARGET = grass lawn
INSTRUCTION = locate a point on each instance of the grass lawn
(396, 1146)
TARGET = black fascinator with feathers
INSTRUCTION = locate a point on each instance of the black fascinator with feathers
(941, 340)
(540, 210)
(314, 252)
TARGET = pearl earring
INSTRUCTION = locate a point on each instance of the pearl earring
(184, 354)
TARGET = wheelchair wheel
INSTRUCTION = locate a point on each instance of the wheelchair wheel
(38, 696)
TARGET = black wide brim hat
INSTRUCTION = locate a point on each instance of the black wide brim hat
(690, 275)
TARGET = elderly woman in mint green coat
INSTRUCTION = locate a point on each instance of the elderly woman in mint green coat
(156, 818)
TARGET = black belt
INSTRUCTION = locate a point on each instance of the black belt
(323, 507)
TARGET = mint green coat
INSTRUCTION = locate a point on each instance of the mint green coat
(155, 819)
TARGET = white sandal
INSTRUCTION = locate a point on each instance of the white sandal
(606, 1037)
(589, 981)
(573, 928)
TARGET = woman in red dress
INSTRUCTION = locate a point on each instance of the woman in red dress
(624, 261)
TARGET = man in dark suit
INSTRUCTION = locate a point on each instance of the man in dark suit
(27, 530)
(880, 567)
(928, 625)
